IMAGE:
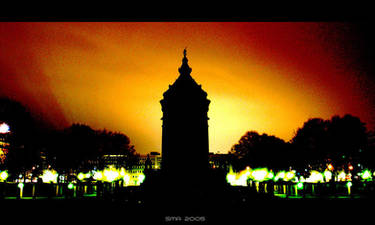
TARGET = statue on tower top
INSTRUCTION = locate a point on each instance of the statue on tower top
(184, 69)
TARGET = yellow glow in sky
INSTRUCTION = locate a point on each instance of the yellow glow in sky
(268, 77)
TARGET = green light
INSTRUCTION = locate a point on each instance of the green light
(20, 185)
(70, 186)
(270, 175)
(141, 178)
(3, 175)
(315, 177)
(327, 175)
(111, 174)
(231, 178)
(349, 185)
(98, 175)
(238, 179)
(341, 176)
(81, 176)
(299, 185)
(259, 174)
(122, 172)
(126, 179)
(366, 175)
(279, 175)
(49, 176)
(289, 175)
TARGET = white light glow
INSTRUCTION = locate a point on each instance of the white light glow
(4, 128)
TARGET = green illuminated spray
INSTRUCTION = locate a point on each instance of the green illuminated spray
(279, 175)
(20, 186)
(349, 185)
(289, 175)
(141, 178)
(259, 174)
(70, 186)
(315, 177)
(366, 175)
(49, 176)
(327, 175)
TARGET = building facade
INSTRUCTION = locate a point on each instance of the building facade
(220, 161)
(154, 160)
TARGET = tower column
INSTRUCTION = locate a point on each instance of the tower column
(185, 129)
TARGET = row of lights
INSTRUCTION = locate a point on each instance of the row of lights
(108, 175)
(263, 174)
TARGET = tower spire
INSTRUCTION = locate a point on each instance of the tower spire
(184, 69)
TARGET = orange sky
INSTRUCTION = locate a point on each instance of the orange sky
(268, 77)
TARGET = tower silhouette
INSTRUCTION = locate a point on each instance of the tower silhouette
(185, 129)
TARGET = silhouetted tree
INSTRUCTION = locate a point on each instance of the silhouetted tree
(260, 151)
(338, 140)
(73, 147)
(310, 142)
(367, 155)
(23, 136)
(35, 144)
(115, 143)
(347, 135)
(341, 140)
(70, 147)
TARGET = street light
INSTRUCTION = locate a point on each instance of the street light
(349, 185)
(299, 186)
(330, 167)
(366, 175)
(20, 186)
(81, 176)
(70, 186)
(3, 175)
(4, 128)
(49, 176)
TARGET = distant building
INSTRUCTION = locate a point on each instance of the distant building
(4, 149)
(4, 144)
(155, 160)
(117, 161)
(219, 161)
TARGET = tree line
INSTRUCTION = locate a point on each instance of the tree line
(339, 141)
(34, 144)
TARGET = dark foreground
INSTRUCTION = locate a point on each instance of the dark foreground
(250, 211)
